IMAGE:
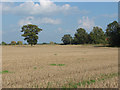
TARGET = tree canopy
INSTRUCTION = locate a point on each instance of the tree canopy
(19, 43)
(13, 42)
(113, 33)
(31, 33)
(4, 43)
(67, 39)
(81, 36)
(97, 36)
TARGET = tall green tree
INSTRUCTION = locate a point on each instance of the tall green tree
(31, 33)
(81, 36)
(97, 36)
(67, 39)
(113, 33)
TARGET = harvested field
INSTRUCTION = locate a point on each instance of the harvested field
(63, 66)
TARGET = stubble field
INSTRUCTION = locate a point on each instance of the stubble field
(59, 66)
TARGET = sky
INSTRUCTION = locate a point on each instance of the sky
(55, 18)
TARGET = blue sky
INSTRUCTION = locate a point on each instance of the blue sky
(55, 18)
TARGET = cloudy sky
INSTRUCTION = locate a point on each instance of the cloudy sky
(55, 18)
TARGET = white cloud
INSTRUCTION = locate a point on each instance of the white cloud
(32, 20)
(86, 23)
(44, 7)
(50, 21)
(27, 20)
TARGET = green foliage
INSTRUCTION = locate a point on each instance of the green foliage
(81, 36)
(3, 43)
(13, 42)
(35, 67)
(113, 33)
(61, 64)
(53, 64)
(19, 43)
(67, 39)
(55, 43)
(91, 81)
(57, 64)
(97, 36)
(30, 33)
(5, 71)
(25, 44)
(51, 43)
(44, 43)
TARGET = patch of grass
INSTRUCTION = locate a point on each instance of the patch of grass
(5, 71)
(60, 64)
(88, 82)
(83, 83)
(53, 64)
(36, 86)
(99, 79)
(35, 67)
(72, 85)
(79, 84)
(75, 86)
(103, 79)
(57, 64)
(48, 84)
(91, 81)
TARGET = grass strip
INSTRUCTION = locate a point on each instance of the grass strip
(5, 71)
(88, 82)
(57, 64)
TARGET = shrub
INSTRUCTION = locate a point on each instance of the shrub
(55, 43)
(19, 43)
(51, 43)
(3, 43)
(44, 43)
(13, 42)
(25, 44)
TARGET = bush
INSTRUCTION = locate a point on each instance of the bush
(51, 43)
(25, 44)
(13, 42)
(3, 43)
(19, 43)
(55, 43)
(44, 43)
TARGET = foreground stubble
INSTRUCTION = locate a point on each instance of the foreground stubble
(32, 66)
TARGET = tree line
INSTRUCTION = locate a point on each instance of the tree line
(111, 36)
(13, 43)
